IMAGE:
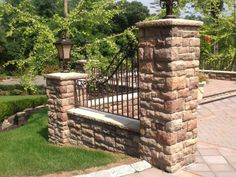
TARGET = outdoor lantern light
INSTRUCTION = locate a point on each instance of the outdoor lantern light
(168, 5)
(64, 47)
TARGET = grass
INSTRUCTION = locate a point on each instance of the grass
(26, 152)
(20, 97)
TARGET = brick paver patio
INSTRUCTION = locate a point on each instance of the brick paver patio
(218, 86)
(216, 155)
(217, 122)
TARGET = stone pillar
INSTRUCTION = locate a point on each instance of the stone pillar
(169, 64)
(61, 94)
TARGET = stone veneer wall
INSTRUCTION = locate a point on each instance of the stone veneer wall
(18, 119)
(220, 75)
(169, 60)
(169, 52)
(94, 133)
(61, 97)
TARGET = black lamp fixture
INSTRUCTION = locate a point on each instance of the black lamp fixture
(64, 46)
(168, 5)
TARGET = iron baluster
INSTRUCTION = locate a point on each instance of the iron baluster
(116, 87)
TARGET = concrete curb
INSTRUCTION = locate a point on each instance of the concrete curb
(218, 96)
(120, 170)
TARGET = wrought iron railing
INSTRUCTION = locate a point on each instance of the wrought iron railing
(114, 90)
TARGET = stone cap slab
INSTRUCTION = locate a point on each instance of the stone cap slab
(169, 22)
(66, 76)
(217, 71)
(107, 118)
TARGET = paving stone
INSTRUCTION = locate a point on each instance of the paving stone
(225, 174)
(214, 159)
(188, 175)
(221, 168)
(233, 165)
(215, 86)
(122, 170)
(88, 175)
(209, 152)
(205, 174)
(103, 173)
(231, 159)
(140, 166)
(227, 152)
(198, 167)
(135, 175)
(152, 172)
(216, 122)
(199, 159)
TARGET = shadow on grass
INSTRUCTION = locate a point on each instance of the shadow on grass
(44, 133)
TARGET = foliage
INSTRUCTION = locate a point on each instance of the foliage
(10, 105)
(132, 12)
(110, 49)
(203, 77)
(28, 40)
(29, 30)
(195, 7)
(47, 8)
(20, 90)
(219, 51)
(25, 151)
(160, 12)
(51, 68)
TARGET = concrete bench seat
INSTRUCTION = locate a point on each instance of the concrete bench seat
(111, 119)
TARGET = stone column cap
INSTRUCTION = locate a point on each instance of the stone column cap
(169, 22)
(66, 76)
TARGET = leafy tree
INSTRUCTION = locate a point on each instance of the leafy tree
(211, 8)
(225, 37)
(48, 8)
(28, 40)
(218, 46)
(132, 12)
(28, 34)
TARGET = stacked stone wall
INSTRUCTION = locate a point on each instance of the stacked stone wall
(169, 52)
(169, 58)
(96, 134)
(220, 75)
(18, 119)
(61, 97)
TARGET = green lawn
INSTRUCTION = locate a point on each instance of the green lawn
(26, 152)
(20, 97)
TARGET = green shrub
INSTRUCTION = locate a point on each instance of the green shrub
(50, 69)
(19, 90)
(2, 77)
(6, 109)
(10, 107)
(4, 92)
(16, 92)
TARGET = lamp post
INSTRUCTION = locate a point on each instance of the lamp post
(168, 5)
(64, 45)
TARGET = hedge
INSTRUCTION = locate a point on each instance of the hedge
(18, 89)
(10, 107)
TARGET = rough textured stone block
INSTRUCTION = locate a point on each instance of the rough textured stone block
(168, 121)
